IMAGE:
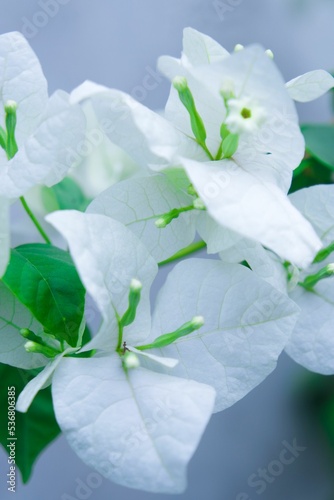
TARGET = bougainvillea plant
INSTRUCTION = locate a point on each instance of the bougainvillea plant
(131, 379)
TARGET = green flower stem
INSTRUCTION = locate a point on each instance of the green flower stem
(219, 152)
(324, 253)
(206, 149)
(310, 281)
(194, 247)
(167, 218)
(120, 334)
(35, 221)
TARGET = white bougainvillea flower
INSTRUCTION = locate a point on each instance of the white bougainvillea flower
(35, 148)
(241, 180)
(246, 326)
(201, 50)
(312, 343)
(205, 285)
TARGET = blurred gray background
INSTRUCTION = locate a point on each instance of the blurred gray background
(117, 43)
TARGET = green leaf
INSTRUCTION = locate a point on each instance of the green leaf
(309, 173)
(320, 143)
(35, 429)
(44, 279)
(65, 195)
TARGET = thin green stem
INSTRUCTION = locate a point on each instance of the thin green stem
(190, 249)
(120, 334)
(35, 221)
(219, 152)
(206, 149)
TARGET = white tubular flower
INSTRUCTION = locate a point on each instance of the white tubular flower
(244, 116)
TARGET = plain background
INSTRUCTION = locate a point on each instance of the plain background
(117, 43)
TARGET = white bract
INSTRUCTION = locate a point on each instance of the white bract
(312, 341)
(99, 162)
(45, 130)
(310, 86)
(241, 180)
(138, 203)
(139, 426)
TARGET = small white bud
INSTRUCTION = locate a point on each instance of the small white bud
(269, 53)
(10, 106)
(130, 360)
(197, 322)
(227, 90)
(238, 47)
(31, 346)
(180, 83)
(161, 223)
(330, 268)
(198, 204)
(136, 285)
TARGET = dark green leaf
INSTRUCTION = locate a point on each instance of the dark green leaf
(63, 196)
(320, 143)
(309, 173)
(35, 429)
(44, 279)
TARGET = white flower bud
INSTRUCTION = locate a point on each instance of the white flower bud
(198, 204)
(131, 360)
(197, 322)
(227, 90)
(136, 285)
(330, 268)
(238, 47)
(180, 83)
(10, 106)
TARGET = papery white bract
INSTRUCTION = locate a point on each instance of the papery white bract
(45, 128)
(247, 325)
(312, 342)
(310, 86)
(100, 163)
(138, 429)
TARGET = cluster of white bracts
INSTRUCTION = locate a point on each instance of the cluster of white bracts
(139, 427)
